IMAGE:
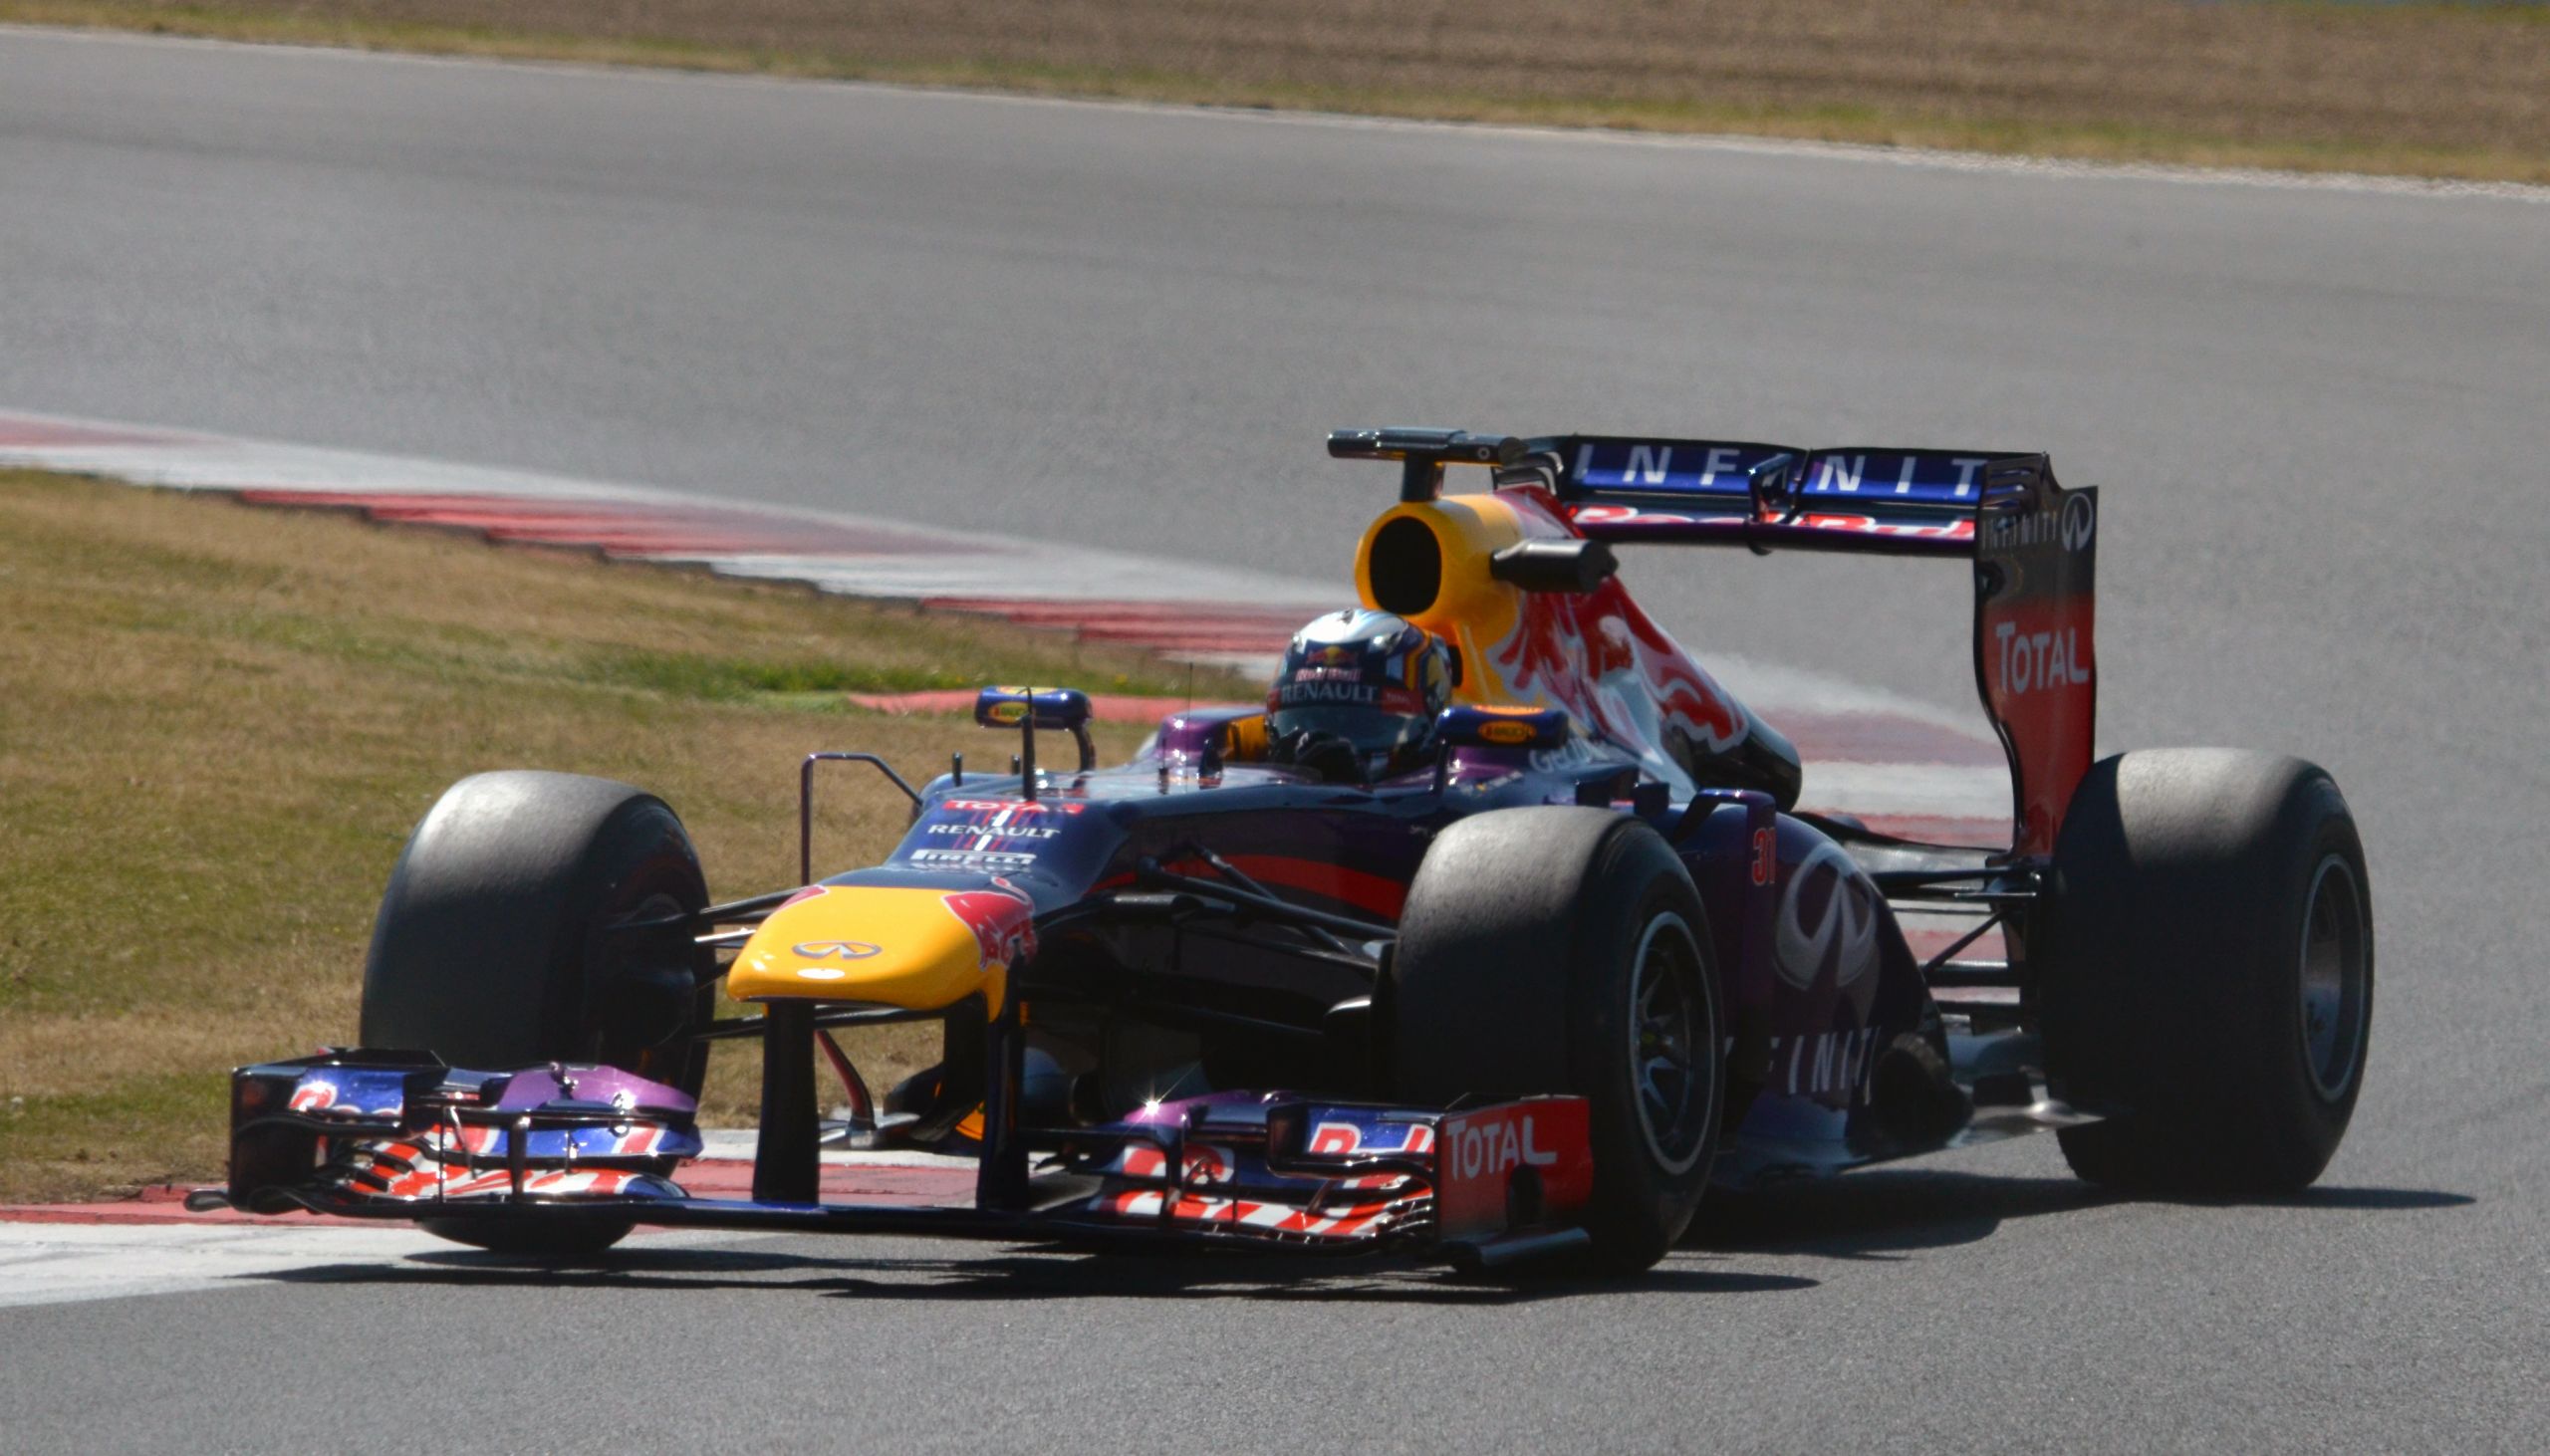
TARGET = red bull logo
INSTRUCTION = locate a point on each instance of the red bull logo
(1002, 918)
(1331, 657)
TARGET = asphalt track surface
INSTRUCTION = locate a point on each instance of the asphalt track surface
(2321, 413)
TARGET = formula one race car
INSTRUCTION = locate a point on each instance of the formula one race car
(1522, 973)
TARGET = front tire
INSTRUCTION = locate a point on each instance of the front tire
(2209, 971)
(498, 946)
(1565, 950)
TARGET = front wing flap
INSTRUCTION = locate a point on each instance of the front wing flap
(371, 1131)
(1280, 1170)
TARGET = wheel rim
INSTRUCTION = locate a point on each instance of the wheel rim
(1671, 1055)
(2336, 978)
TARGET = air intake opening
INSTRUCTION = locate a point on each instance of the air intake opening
(1405, 567)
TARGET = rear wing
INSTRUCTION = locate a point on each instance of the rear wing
(2031, 541)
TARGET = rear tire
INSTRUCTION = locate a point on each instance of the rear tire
(1565, 950)
(494, 949)
(2209, 971)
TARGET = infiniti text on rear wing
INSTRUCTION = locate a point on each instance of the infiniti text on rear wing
(1908, 502)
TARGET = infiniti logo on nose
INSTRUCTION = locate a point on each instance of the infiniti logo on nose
(848, 950)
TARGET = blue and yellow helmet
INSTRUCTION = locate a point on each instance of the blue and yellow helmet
(1367, 678)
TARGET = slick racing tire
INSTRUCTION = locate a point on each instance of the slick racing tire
(497, 948)
(1564, 950)
(2208, 971)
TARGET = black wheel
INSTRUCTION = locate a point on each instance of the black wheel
(498, 946)
(1565, 950)
(2209, 975)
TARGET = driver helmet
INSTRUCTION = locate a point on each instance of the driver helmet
(1359, 686)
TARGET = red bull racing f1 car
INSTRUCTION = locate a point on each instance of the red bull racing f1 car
(1498, 932)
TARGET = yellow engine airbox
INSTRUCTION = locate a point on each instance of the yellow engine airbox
(888, 945)
(1429, 562)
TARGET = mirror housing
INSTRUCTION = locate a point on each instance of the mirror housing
(1573, 564)
(1479, 725)
(1058, 708)
(1064, 709)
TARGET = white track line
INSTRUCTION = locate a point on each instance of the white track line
(55, 1263)
(49, 1263)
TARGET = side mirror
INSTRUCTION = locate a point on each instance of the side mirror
(1059, 708)
(1473, 725)
(1573, 564)
(1027, 709)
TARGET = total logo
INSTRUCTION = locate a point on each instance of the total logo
(1485, 1148)
(2033, 660)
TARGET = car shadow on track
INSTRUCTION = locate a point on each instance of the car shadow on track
(1010, 1273)
(1891, 1214)
(1874, 1215)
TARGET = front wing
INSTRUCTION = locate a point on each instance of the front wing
(395, 1135)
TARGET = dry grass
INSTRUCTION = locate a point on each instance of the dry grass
(2432, 89)
(217, 725)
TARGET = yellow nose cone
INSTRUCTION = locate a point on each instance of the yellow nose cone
(886, 945)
